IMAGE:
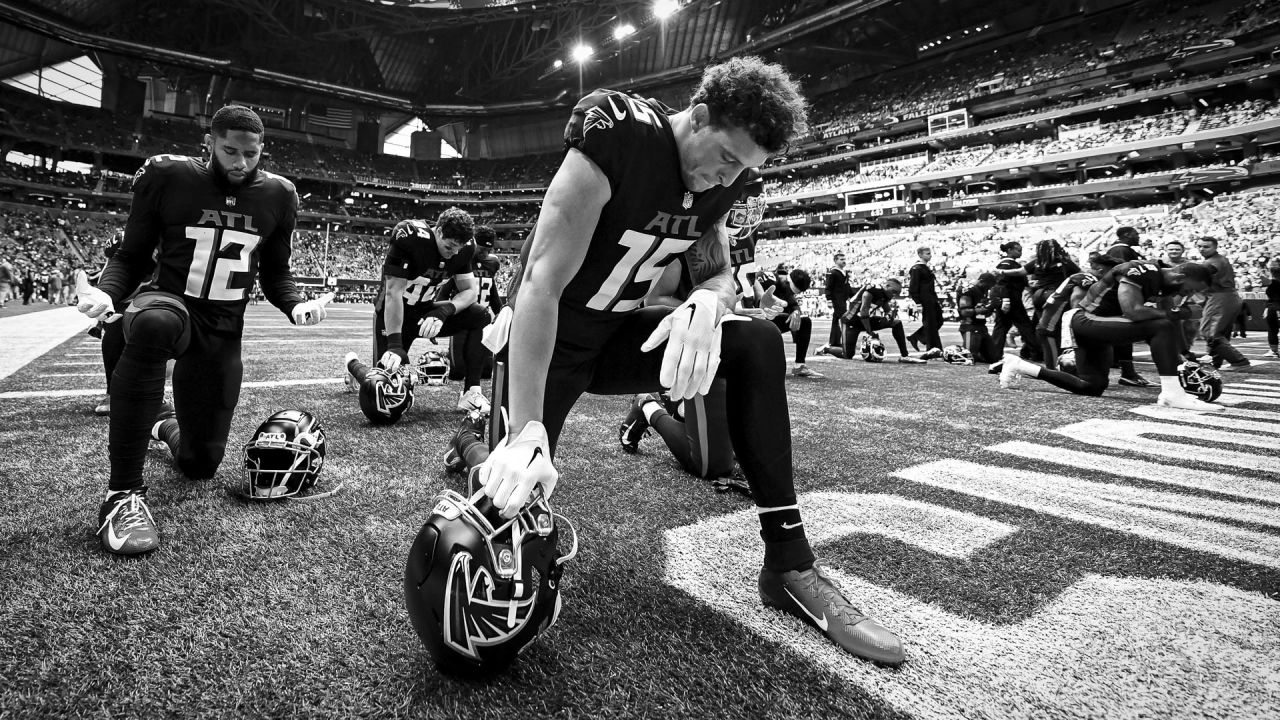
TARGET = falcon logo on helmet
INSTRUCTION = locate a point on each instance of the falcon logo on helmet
(480, 589)
(433, 368)
(1203, 381)
(284, 456)
(385, 396)
(748, 212)
(956, 355)
(870, 348)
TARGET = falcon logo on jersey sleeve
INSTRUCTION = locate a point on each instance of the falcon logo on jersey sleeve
(596, 117)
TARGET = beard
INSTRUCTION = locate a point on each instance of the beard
(225, 178)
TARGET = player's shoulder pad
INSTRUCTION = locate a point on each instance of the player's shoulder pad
(283, 181)
(161, 165)
(1083, 279)
(610, 116)
(490, 263)
(411, 229)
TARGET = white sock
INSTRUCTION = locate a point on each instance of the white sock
(1028, 368)
(1169, 384)
(649, 408)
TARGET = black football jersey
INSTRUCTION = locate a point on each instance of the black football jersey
(414, 256)
(1103, 297)
(650, 218)
(1014, 283)
(1056, 304)
(881, 303)
(209, 239)
(486, 272)
(1051, 275)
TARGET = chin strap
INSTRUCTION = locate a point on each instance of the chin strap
(244, 494)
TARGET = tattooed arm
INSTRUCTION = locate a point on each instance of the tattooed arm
(708, 262)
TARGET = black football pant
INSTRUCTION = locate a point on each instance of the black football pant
(473, 317)
(700, 442)
(458, 345)
(981, 346)
(206, 387)
(1096, 341)
(1272, 316)
(838, 309)
(1015, 317)
(112, 346)
(854, 329)
(800, 337)
(931, 324)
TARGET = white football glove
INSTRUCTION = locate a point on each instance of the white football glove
(392, 360)
(692, 333)
(517, 466)
(96, 304)
(793, 321)
(429, 327)
(312, 311)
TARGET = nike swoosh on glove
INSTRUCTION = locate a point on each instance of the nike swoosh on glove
(96, 304)
(692, 334)
(516, 467)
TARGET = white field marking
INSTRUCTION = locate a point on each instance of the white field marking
(315, 339)
(27, 337)
(67, 375)
(1219, 420)
(82, 354)
(75, 363)
(1264, 382)
(1256, 414)
(1197, 478)
(1117, 647)
(1270, 391)
(943, 531)
(1230, 398)
(1128, 435)
(1138, 511)
(98, 391)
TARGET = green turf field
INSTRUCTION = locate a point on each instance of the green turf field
(1042, 556)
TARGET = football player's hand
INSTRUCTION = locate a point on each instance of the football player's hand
(311, 312)
(517, 466)
(770, 306)
(395, 356)
(1005, 304)
(793, 321)
(692, 334)
(96, 304)
(429, 327)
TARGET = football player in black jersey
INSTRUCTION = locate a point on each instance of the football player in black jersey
(1123, 306)
(213, 226)
(974, 304)
(1011, 281)
(641, 184)
(485, 267)
(874, 309)
(787, 287)
(429, 290)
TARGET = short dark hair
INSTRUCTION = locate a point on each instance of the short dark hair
(456, 224)
(986, 278)
(801, 280)
(1210, 238)
(1175, 242)
(758, 97)
(235, 117)
(923, 249)
(1005, 246)
(485, 236)
(837, 256)
(1126, 232)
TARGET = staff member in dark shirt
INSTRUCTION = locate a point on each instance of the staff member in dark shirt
(921, 288)
(1221, 305)
(837, 291)
(1272, 312)
(1011, 281)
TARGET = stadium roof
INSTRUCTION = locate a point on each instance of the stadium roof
(464, 57)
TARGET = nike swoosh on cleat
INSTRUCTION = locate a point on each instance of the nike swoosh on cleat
(791, 526)
(822, 621)
(113, 540)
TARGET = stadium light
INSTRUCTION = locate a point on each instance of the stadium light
(557, 64)
(581, 53)
(663, 9)
(622, 31)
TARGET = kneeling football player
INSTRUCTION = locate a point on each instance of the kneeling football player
(639, 185)
(421, 260)
(1124, 306)
(874, 309)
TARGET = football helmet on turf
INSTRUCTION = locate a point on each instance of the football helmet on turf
(433, 368)
(284, 456)
(385, 396)
(480, 589)
(1200, 380)
(956, 355)
(1067, 361)
(870, 348)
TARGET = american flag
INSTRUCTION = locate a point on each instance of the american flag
(329, 117)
